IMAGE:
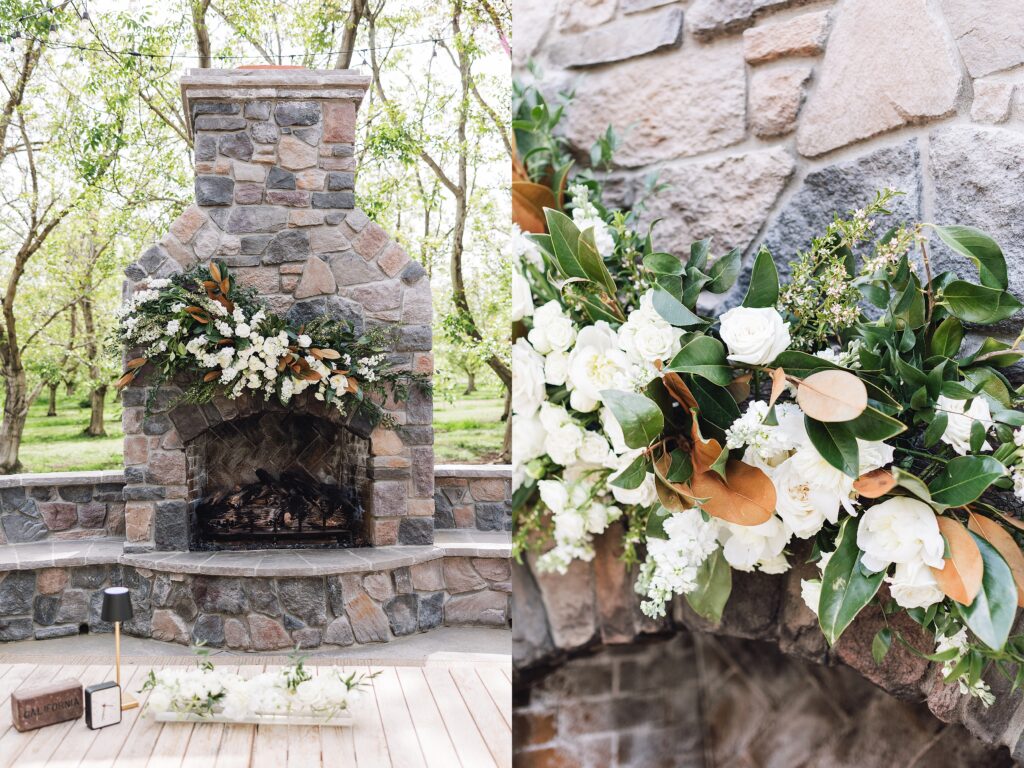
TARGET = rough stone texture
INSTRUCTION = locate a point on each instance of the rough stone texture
(776, 96)
(623, 39)
(803, 35)
(909, 72)
(711, 18)
(989, 33)
(992, 101)
(727, 199)
(706, 93)
(317, 280)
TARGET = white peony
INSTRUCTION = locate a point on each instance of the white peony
(913, 585)
(522, 298)
(552, 329)
(958, 426)
(744, 546)
(899, 530)
(767, 445)
(646, 336)
(527, 378)
(754, 335)
(810, 465)
(556, 368)
(802, 506)
(810, 591)
(596, 364)
(873, 455)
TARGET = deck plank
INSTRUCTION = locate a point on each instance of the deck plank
(337, 745)
(499, 689)
(12, 742)
(433, 736)
(368, 734)
(403, 744)
(110, 742)
(469, 742)
(236, 744)
(495, 731)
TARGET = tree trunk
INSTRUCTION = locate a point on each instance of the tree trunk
(470, 383)
(69, 388)
(51, 409)
(98, 398)
(506, 444)
(15, 412)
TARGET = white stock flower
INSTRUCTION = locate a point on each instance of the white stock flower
(899, 530)
(522, 298)
(646, 336)
(960, 421)
(744, 546)
(810, 591)
(913, 585)
(766, 444)
(527, 378)
(595, 364)
(672, 563)
(803, 507)
(556, 368)
(754, 335)
(552, 329)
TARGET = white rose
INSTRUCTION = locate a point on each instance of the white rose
(810, 591)
(873, 455)
(599, 515)
(913, 585)
(802, 506)
(556, 368)
(646, 336)
(527, 378)
(958, 426)
(774, 565)
(562, 444)
(242, 331)
(304, 340)
(522, 298)
(819, 473)
(899, 530)
(554, 494)
(754, 335)
(746, 545)
(524, 249)
(596, 364)
(595, 449)
(643, 496)
(528, 436)
(552, 329)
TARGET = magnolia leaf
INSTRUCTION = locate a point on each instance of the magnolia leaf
(680, 392)
(675, 496)
(715, 404)
(639, 416)
(912, 483)
(747, 499)
(656, 523)
(215, 272)
(979, 248)
(764, 282)
(673, 310)
(802, 364)
(832, 396)
(528, 203)
(978, 303)
(565, 242)
(125, 380)
(211, 376)
(880, 644)
(1008, 519)
(778, 385)
(699, 254)
(724, 271)
(138, 362)
(964, 479)
(664, 264)
(997, 536)
(703, 356)
(947, 338)
(633, 475)
(845, 586)
(936, 429)
(874, 426)
(960, 576)
(836, 444)
(874, 484)
(739, 387)
(705, 453)
(714, 585)
(990, 617)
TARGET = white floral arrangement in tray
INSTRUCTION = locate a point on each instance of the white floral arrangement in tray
(288, 695)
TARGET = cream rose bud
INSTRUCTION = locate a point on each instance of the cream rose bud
(959, 422)
(553, 416)
(646, 336)
(899, 530)
(803, 507)
(913, 585)
(556, 368)
(552, 329)
(643, 496)
(754, 335)
(522, 299)
(527, 378)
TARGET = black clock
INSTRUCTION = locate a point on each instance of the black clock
(102, 705)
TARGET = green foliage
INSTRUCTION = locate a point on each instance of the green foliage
(846, 588)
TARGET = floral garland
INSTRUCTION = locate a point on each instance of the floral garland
(844, 407)
(206, 691)
(202, 324)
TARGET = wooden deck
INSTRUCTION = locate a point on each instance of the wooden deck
(442, 714)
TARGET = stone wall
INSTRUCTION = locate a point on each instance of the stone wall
(696, 701)
(473, 496)
(765, 116)
(61, 506)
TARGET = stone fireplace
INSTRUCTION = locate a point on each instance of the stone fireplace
(274, 199)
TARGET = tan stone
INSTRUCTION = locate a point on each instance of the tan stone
(776, 96)
(249, 172)
(265, 154)
(803, 35)
(487, 608)
(423, 362)
(420, 508)
(493, 568)
(989, 33)
(392, 259)
(138, 520)
(166, 468)
(584, 14)
(426, 577)
(328, 240)
(295, 268)
(569, 602)
(487, 489)
(700, 107)
(379, 586)
(51, 581)
(339, 122)
(992, 101)
(263, 279)
(295, 154)
(169, 627)
(385, 442)
(207, 241)
(338, 163)
(289, 283)
(908, 72)
(317, 280)
(305, 218)
(417, 306)
(180, 253)
(267, 634)
(369, 242)
(459, 575)
(186, 225)
(313, 179)
(383, 533)
(236, 635)
(136, 450)
(465, 516)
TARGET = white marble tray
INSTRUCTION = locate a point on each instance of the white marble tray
(340, 719)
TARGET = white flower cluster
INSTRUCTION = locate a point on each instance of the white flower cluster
(585, 215)
(672, 563)
(979, 690)
(578, 515)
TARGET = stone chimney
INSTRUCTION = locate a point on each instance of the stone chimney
(274, 199)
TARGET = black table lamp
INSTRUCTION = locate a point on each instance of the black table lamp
(117, 607)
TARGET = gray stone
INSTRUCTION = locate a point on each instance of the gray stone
(291, 623)
(44, 609)
(431, 610)
(168, 627)
(208, 630)
(844, 187)
(289, 245)
(349, 268)
(302, 312)
(493, 516)
(262, 596)
(339, 632)
(726, 198)
(336, 595)
(907, 74)
(623, 39)
(412, 273)
(416, 530)
(444, 516)
(403, 581)
(152, 258)
(16, 592)
(21, 528)
(710, 18)
(96, 624)
(403, 614)
(215, 108)
(297, 113)
(258, 110)
(333, 200)
(236, 145)
(369, 622)
(263, 133)
(219, 595)
(48, 633)
(979, 181)
(74, 607)
(416, 435)
(278, 178)
(415, 338)
(214, 190)
(89, 576)
(989, 33)
(309, 135)
(257, 218)
(304, 598)
(15, 629)
(92, 515)
(254, 245)
(215, 123)
(205, 147)
(307, 638)
(171, 524)
(486, 608)
(337, 180)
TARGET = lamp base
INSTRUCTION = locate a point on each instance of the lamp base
(128, 701)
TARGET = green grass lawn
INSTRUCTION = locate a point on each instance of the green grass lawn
(468, 430)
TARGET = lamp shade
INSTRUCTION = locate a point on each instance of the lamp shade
(117, 604)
